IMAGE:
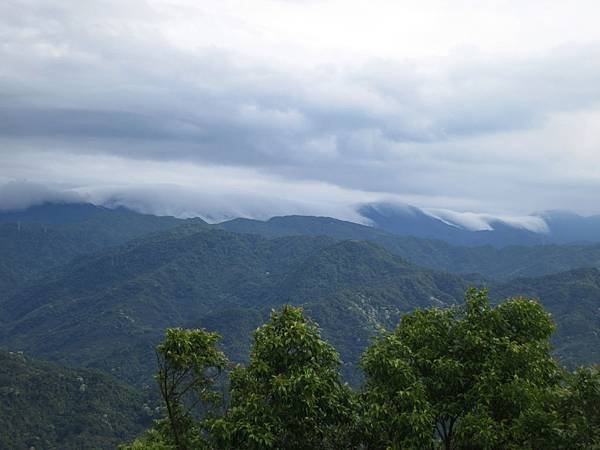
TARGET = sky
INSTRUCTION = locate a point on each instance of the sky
(258, 108)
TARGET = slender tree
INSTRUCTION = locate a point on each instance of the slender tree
(189, 366)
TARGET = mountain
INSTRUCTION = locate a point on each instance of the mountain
(52, 213)
(44, 406)
(550, 227)
(48, 236)
(108, 310)
(491, 262)
(280, 226)
(573, 299)
(411, 221)
(44, 237)
(568, 227)
(97, 289)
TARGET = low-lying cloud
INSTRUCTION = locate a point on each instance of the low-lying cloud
(22, 195)
(485, 222)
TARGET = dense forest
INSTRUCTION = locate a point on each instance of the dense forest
(47, 406)
(91, 288)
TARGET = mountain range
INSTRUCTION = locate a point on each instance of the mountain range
(464, 229)
(549, 227)
(93, 288)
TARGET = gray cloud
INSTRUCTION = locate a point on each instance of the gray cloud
(21, 195)
(468, 130)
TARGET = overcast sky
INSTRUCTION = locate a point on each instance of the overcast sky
(263, 107)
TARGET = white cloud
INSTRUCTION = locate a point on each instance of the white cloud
(480, 222)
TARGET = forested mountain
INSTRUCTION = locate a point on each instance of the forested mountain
(44, 237)
(108, 310)
(97, 288)
(569, 227)
(497, 263)
(54, 213)
(46, 406)
(573, 299)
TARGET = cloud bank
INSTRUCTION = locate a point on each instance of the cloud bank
(227, 108)
(22, 195)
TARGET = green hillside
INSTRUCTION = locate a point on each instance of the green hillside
(108, 310)
(84, 300)
(46, 406)
(36, 243)
(105, 303)
(497, 263)
(573, 299)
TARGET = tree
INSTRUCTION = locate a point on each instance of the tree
(570, 416)
(459, 377)
(189, 366)
(469, 377)
(290, 395)
(580, 409)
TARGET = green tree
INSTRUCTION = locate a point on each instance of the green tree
(459, 377)
(581, 409)
(189, 368)
(569, 415)
(290, 395)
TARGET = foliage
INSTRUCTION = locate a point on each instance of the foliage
(47, 236)
(290, 395)
(572, 299)
(569, 418)
(464, 374)
(470, 377)
(189, 367)
(127, 296)
(43, 406)
(156, 438)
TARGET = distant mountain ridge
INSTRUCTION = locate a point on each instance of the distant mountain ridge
(30, 247)
(461, 229)
(554, 227)
(107, 310)
(491, 262)
(40, 238)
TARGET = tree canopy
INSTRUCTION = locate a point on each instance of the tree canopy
(473, 377)
(290, 395)
(466, 375)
